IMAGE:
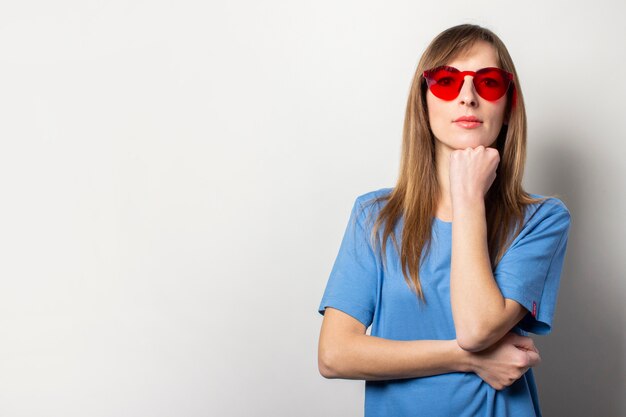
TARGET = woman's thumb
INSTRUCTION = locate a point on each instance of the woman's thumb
(525, 342)
(534, 358)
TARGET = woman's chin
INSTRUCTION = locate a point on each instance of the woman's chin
(466, 141)
(471, 142)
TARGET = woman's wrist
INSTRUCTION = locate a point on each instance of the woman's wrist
(464, 359)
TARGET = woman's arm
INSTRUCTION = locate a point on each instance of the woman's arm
(482, 316)
(346, 352)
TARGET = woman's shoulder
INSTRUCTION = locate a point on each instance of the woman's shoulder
(371, 196)
(549, 205)
(551, 210)
(370, 203)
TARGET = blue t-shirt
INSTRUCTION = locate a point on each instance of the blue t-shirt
(528, 273)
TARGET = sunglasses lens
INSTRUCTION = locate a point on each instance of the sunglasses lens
(445, 82)
(491, 83)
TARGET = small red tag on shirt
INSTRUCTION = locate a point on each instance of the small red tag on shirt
(534, 309)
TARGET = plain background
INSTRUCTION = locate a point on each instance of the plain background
(176, 177)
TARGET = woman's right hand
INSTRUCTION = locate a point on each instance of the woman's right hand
(506, 361)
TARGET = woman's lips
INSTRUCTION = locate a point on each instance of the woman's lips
(468, 125)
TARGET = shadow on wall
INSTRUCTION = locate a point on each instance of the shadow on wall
(583, 358)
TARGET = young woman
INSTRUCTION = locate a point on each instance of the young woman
(475, 262)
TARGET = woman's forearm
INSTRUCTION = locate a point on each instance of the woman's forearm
(475, 298)
(373, 358)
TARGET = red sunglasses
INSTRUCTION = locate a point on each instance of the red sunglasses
(445, 82)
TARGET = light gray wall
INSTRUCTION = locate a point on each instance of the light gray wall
(176, 178)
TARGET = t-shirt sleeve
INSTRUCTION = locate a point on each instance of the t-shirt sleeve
(530, 270)
(353, 281)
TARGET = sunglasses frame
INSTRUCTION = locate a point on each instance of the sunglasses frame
(505, 75)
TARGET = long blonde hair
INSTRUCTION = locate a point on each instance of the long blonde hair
(416, 193)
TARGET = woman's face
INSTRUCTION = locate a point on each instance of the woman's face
(442, 114)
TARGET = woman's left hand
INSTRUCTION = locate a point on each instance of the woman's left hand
(472, 171)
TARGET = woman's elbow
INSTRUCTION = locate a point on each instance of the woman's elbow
(471, 343)
(471, 347)
(325, 363)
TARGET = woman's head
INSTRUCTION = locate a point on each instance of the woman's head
(444, 109)
(469, 47)
(429, 120)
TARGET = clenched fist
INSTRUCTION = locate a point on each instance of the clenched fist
(472, 171)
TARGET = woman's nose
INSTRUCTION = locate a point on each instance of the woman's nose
(468, 94)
